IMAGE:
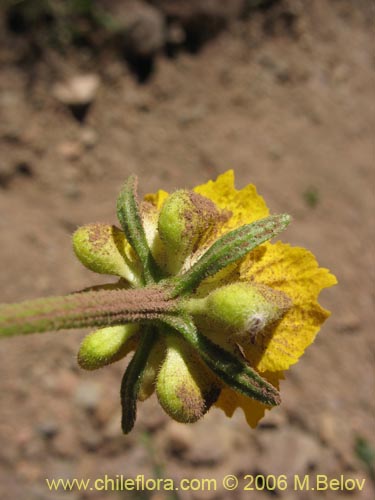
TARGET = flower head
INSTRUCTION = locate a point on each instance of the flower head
(244, 309)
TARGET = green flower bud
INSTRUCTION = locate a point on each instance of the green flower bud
(103, 249)
(186, 389)
(241, 308)
(150, 372)
(184, 218)
(150, 216)
(107, 345)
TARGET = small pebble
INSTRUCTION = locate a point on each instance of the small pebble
(87, 395)
(80, 90)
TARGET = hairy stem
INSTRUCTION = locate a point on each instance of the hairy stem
(86, 309)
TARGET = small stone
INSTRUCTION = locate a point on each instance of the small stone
(13, 136)
(87, 395)
(66, 382)
(341, 73)
(71, 191)
(21, 168)
(80, 90)
(48, 429)
(144, 30)
(70, 150)
(278, 69)
(112, 429)
(90, 438)
(273, 420)
(152, 417)
(106, 408)
(24, 436)
(65, 443)
(349, 322)
(89, 138)
(179, 438)
(29, 471)
(327, 428)
(192, 115)
(141, 27)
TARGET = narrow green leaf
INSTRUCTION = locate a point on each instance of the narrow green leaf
(235, 373)
(131, 222)
(132, 378)
(229, 248)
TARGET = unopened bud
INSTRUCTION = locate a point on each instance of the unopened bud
(107, 345)
(184, 217)
(103, 248)
(242, 308)
(186, 389)
(150, 372)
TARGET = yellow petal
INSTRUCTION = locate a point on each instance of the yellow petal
(295, 272)
(157, 199)
(246, 205)
(254, 411)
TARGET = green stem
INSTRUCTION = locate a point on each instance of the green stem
(194, 306)
(85, 309)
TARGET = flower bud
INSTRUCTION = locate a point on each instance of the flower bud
(186, 389)
(150, 216)
(103, 249)
(150, 372)
(107, 345)
(184, 217)
(243, 308)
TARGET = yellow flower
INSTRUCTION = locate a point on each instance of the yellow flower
(291, 270)
(214, 312)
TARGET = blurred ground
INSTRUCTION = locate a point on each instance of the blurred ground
(285, 97)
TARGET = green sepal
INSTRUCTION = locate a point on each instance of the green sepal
(130, 219)
(235, 373)
(132, 378)
(229, 248)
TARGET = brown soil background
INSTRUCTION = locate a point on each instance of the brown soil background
(290, 109)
